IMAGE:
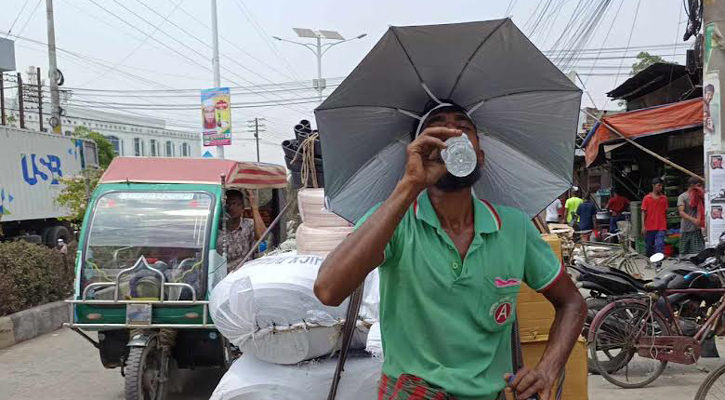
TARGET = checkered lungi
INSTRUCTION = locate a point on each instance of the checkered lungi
(691, 242)
(410, 387)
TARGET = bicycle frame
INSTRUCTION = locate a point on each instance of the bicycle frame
(709, 323)
(675, 347)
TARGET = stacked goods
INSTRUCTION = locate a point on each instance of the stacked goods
(251, 379)
(268, 309)
(321, 231)
(535, 315)
(303, 156)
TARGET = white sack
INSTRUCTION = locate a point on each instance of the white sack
(252, 379)
(268, 308)
(320, 241)
(311, 203)
(374, 343)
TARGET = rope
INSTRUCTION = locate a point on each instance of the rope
(308, 160)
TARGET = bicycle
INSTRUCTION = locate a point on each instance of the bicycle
(712, 387)
(648, 332)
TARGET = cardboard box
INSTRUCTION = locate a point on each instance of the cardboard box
(576, 375)
(534, 312)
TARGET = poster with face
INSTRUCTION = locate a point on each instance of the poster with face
(216, 114)
(715, 196)
(711, 111)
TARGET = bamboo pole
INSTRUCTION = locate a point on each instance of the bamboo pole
(646, 150)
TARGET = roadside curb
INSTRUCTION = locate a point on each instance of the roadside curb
(33, 322)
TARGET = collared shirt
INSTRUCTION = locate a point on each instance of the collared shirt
(240, 240)
(446, 319)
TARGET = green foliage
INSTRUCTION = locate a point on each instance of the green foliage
(644, 60)
(105, 148)
(31, 275)
(76, 191)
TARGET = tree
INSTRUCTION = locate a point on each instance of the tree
(106, 153)
(644, 60)
(76, 193)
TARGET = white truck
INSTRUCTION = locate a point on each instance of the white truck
(31, 165)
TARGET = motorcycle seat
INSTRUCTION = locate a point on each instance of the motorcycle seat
(659, 284)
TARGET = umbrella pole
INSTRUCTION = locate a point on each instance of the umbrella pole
(646, 150)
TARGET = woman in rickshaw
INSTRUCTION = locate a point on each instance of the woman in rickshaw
(241, 232)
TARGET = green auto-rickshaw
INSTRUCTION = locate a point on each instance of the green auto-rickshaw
(148, 259)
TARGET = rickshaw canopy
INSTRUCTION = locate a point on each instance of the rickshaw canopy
(238, 174)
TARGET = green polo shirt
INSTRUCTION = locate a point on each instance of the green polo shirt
(448, 320)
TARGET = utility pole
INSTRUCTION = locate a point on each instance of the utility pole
(40, 99)
(254, 127)
(21, 104)
(3, 118)
(215, 59)
(53, 75)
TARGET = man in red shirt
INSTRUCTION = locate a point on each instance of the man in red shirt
(616, 206)
(654, 218)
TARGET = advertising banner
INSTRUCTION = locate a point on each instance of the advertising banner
(715, 197)
(216, 116)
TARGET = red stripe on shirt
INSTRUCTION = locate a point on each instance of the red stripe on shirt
(552, 283)
(493, 210)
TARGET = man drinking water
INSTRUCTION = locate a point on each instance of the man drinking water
(451, 267)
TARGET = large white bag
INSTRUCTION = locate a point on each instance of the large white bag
(268, 308)
(252, 379)
(320, 241)
(311, 203)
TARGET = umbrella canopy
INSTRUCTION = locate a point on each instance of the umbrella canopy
(526, 111)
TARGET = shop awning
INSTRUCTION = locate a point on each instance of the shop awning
(644, 122)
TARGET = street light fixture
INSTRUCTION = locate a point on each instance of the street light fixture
(319, 49)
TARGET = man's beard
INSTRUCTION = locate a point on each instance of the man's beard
(451, 183)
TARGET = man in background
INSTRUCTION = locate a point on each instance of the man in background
(654, 219)
(691, 205)
(241, 232)
(587, 213)
(572, 204)
(616, 205)
(553, 215)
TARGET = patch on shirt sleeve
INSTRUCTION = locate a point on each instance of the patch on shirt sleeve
(502, 283)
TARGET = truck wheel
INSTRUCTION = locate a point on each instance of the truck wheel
(53, 233)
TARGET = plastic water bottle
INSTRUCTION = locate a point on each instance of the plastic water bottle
(459, 156)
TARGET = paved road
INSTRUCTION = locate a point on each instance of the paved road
(63, 366)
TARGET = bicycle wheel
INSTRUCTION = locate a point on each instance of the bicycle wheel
(713, 387)
(616, 336)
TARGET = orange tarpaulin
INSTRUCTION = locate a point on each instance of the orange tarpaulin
(649, 121)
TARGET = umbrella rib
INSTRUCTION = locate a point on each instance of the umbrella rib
(410, 60)
(365, 105)
(468, 62)
(478, 102)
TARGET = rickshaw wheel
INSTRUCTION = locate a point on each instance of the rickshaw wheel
(147, 372)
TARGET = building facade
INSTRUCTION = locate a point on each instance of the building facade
(131, 136)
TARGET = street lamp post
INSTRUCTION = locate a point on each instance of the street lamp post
(319, 49)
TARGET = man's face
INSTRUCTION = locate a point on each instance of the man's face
(209, 115)
(716, 163)
(235, 206)
(717, 213)
(657, 188)
(708, 96)
(458, 120)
